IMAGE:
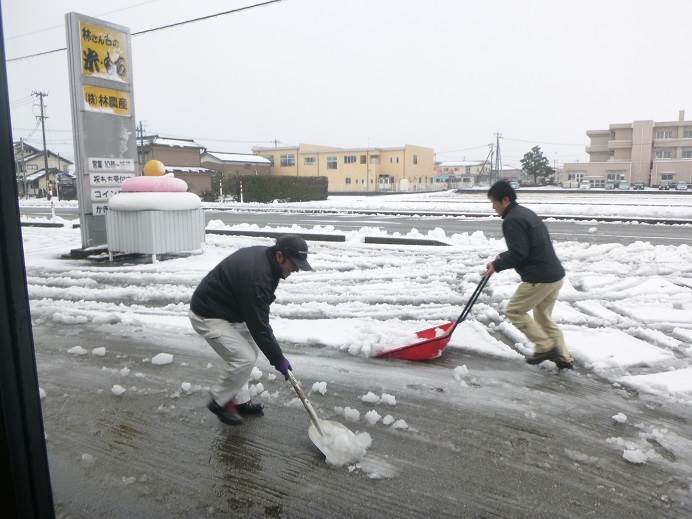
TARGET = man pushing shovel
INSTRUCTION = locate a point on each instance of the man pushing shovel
(530, 252)
(230, 309)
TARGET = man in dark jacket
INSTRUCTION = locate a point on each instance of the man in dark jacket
(230, 309)
(530, 252)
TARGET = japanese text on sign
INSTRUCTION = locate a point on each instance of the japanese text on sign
(110, 164)
(108, 179)
(99, 209)
(103, 194)
(104, 52)
(106, 100)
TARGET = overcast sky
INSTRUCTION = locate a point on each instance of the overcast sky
(445, 74)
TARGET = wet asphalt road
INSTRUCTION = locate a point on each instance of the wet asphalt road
(589, 232)
(518, 441)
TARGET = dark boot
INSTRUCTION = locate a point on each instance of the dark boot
(537, 358)
(564, 364)
(248, 408)
(228, 413)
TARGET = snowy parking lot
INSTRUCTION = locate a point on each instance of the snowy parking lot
(618, 423)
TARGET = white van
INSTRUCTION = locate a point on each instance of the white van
(585, 184)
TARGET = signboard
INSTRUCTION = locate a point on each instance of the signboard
(108, 179)
(110, 164)
(103, 119)
(106, 100)
(105, 51)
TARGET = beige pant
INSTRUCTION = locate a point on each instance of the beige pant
(233, 343)
(540, 329)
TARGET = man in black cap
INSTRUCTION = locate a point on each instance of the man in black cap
(230, 309)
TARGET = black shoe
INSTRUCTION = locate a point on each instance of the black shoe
(564, 364)
(228, 414)
(248, 408)
(537, 358)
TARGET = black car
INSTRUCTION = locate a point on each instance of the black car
(639, 186)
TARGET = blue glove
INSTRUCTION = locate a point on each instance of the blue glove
(283, 367)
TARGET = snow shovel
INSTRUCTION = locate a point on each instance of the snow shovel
(435, 339)
(327, 435)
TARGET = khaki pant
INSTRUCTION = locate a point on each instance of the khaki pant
(233, 343)
(540, 329)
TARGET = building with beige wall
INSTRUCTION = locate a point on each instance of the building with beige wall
(645, 152)
(182, 157)
(406, 168)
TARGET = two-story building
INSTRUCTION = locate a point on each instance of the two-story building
(32, 177)
(182, 157)
(646, 152)
(406, 168)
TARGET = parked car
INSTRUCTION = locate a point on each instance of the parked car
(638, 186)
(681, 186)
(664, 187)
(624, 185)
(585, 184)
(610, 185)
(514, 184)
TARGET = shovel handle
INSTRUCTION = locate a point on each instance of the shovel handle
(306, 403)
(472, 300)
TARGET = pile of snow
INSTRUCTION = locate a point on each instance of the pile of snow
(118, 390)
(99, 352)
(340, 445)
(370, 398)
(77, 350)
(372, 417)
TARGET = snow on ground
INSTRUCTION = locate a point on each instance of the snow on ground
(644, 205)
(625, 309)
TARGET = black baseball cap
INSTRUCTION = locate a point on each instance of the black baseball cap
(296, 248)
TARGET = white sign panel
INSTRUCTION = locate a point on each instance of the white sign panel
(108, 179)
(103, 194)
(98, 164)
(100, 209)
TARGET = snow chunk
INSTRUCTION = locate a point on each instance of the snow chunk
(99, 352)
(125, 372)
(41, 393)
(370, 398)
(388, 399)
(256, 389)
(162, 359)
(256, 373)
(636, 456)
(620, 418)
(118, 390)
(77, 350)
(319, 387)
(388, 419)
(186, 386)
(340, 445)
(372, 417)
(271, 377)
(87, 460)
(460, 372)
(400, 424)
(352, 415)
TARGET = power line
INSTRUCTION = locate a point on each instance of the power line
(53, 27)
(544, 142)
(162, 27)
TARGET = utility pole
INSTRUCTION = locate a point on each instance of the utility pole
(498, 156)
(140, 150)
(23, 166)
(43, 118)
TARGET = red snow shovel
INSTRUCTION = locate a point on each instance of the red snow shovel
(435, 339)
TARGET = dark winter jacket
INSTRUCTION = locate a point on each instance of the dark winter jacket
(530, 251)
(240, 290)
